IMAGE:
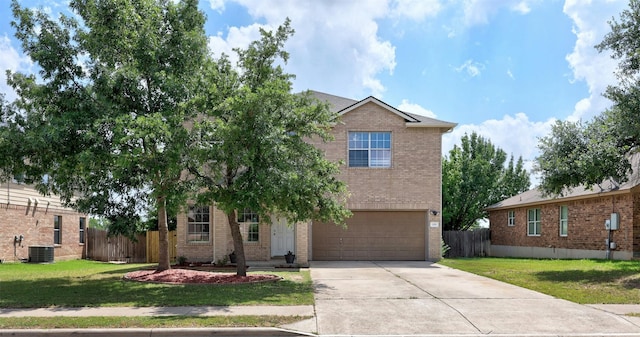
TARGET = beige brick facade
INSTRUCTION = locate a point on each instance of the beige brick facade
(586, 230)
(412, 183)
(23, 212)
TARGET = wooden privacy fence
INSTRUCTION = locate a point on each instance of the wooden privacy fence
(153, 246)
(467, 243)
(101, 247)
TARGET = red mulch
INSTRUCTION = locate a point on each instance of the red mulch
(188, 276)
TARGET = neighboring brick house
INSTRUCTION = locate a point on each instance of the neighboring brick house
(392, 167)
(571, 226)
(29, 219)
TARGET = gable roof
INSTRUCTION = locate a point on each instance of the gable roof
(606, 188)
(343, 105)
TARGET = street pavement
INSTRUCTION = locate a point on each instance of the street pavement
(387, 298)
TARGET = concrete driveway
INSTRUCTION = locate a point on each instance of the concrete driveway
(422, 298)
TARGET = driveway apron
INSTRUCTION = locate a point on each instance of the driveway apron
(419, 298)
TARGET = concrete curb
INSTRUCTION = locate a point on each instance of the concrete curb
(168, 332)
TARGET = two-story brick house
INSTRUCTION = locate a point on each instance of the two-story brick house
(28, 219)
(570, 226)
(392, 167)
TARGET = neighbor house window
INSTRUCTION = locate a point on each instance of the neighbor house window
(369, 149)
(564, 220)
(198, 224)
(57, 230)
(511, 218)
(533, 223)
(83, 225)
(250, 224)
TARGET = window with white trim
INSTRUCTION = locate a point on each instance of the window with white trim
(250, 225)
(511, 218)
(564, 220)
(198, 224)
(534, 225)
(370, 149)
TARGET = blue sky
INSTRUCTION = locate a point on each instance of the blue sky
(505, 69)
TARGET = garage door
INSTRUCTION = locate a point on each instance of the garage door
(372, 236)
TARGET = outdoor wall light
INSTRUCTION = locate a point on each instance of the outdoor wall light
(434, 212)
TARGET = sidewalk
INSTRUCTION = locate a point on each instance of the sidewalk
(295, 329)
(260, 310)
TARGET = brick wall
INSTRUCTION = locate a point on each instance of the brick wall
(636, 221)
(220, 242)
(586, 230)
(414, 180)
(412, 183)
(35, 224)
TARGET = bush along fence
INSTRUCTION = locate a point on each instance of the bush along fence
(475, 243)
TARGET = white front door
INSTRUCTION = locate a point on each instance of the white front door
(282, 238)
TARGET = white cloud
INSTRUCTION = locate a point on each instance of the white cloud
(338, 38)
(217, 5)
(12, 60)
(471, 67)
(521, 7)
(236, 38)
(596, 69)
(516, 135)
(414, 108)
(510, 74)
(478, 12)
(416, 10)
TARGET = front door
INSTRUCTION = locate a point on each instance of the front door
(282, 238)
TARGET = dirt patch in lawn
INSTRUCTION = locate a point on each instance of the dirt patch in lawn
(188, 276)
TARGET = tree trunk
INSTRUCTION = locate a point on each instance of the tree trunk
(238, 245)
(163, 234)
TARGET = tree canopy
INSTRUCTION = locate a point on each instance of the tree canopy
(252, 151)
(105, 119)
(474, 176)
(130, 114)
(590, 153)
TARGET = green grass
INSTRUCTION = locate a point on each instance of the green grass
(82, 283)
(146, 322)
(580, 281)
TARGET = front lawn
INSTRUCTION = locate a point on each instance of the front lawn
(82, 283)
(580, 281)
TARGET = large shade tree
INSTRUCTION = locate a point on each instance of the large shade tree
(105, 118)
(253, 142)
(474, 176)
(599, 151)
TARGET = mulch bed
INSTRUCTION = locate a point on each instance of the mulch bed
(189, 276)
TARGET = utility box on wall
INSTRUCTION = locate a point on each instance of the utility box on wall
(615, 221)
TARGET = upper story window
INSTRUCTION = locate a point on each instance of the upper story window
(198, 224)
(369, 149)
(511, 218)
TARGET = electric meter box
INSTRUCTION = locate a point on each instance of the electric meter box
(615, 221)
